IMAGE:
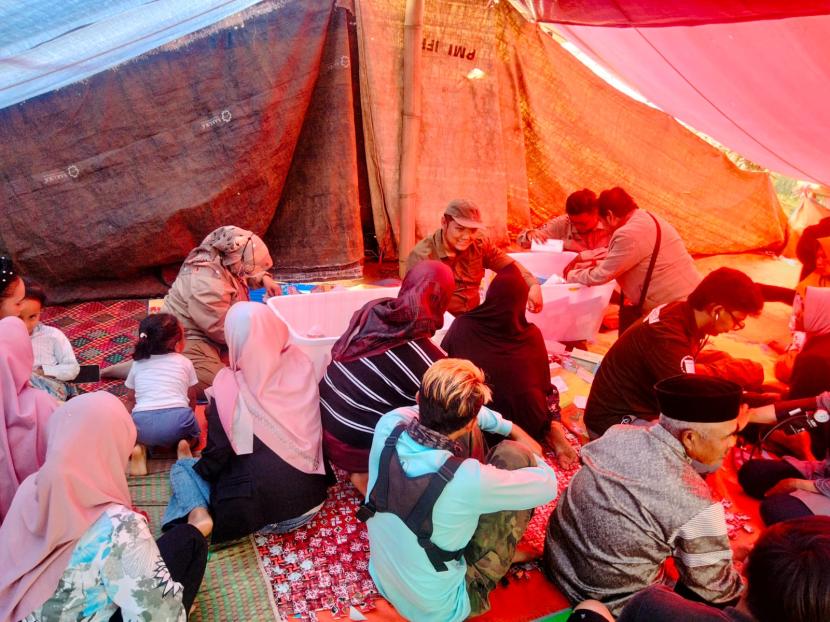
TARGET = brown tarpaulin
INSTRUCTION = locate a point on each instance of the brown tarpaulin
(128, 170)
(515, 123)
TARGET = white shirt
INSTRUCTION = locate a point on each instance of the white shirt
(54, 353)
(162, 381)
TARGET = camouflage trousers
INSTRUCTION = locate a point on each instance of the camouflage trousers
(489, 553)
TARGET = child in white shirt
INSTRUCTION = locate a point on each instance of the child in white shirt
(162, 386)
(55, 363)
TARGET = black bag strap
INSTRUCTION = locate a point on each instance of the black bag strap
(651, 263)
(419, 519)
(380, 491)
(423, 508)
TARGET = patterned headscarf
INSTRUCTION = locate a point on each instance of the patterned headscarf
(242, 252)
(417, 312)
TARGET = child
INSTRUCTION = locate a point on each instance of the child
(162, 386)
(55, 363)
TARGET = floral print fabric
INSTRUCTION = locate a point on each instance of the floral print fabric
(116, 564)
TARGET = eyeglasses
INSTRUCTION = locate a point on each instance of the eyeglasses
(248, 269)
(737, 324)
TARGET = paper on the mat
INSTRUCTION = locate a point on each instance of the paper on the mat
(354, 614)
(580, 401)
(585, 375)
(560, 384)
(550, 246)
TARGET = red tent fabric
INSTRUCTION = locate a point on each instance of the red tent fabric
(760, 88)
(663, 13)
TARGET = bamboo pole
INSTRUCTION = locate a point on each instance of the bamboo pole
(410, 129)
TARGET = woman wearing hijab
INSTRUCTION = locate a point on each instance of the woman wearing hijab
(72, 548)
(497, 337)
(795, 488)
(378, 363)
(819, 277)
(25, 411)
(263, 465)
(12, 289)
(214, 276)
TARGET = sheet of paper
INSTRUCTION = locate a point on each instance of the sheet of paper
(584, 375)
(559, 383)
(556, 246)
(580, 401)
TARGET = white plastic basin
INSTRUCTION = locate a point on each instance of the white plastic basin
(326, 315)
(571, 312)
(544, 264)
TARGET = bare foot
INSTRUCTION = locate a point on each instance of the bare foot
(360, 481)
(183, 450)
(138, 461)
(525, 553)
(201, 520)
(566, 455)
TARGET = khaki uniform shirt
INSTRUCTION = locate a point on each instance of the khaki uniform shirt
(467, 267)
(200, 297)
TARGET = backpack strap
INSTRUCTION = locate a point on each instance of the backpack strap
(380, 491)
(419, 520)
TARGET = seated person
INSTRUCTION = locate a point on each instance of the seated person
(790, 488)
(161, 389)
(25, 411)
(474, 520)
(215, 275)
(497, 337)
(786, 580)
(12, 289)
(458, 245)
(72, 548)
(640, 499)
(630, 249)
(670, 341)
(55, 363)
(811, 369)
(378, 363)
(263, 465)
(806, 248)
(580, 228)
(818, 278)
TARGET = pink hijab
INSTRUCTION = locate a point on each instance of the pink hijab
(90, 438)
(270, 390)
(817, 311)
(25, 411)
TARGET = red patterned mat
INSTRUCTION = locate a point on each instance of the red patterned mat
(101, 333)
(325, 564)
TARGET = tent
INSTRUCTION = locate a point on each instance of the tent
(132, 129)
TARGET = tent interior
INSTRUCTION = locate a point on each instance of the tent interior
(131, 129)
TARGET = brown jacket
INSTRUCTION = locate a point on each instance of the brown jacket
(200, 297)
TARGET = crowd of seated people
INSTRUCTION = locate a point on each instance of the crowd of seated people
(444, 444)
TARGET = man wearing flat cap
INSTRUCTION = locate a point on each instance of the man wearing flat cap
(459, 245)
(640, 499)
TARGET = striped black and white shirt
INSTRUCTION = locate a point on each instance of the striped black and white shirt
(354, 395)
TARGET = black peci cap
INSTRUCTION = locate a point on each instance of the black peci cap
(699, 399)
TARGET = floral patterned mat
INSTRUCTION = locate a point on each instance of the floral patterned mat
(325, 564)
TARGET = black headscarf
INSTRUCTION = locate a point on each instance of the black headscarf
(497, 337)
